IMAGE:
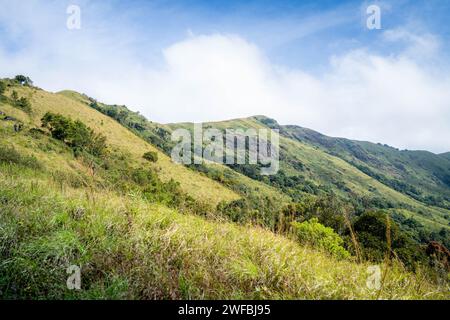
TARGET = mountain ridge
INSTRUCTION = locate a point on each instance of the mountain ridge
(322, 177)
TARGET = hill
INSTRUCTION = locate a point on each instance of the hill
(445, 155)
(144, 229)
(310, 167)
(414, 197)
(119, 138)
(420, 174)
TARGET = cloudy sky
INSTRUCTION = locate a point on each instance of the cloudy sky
(314, 64)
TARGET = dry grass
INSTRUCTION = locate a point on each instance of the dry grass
(131, 249)
(197, 186)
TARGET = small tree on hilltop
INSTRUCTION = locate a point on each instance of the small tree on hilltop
(23, 80)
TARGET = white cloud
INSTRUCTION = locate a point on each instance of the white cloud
(363, 96)
(419, 46)
(388, 99)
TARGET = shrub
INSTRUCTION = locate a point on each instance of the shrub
(327, 209)
(24, 104)
(75, 134)
(2, 87)
(151, 156)
(58, 125)
(21, 103)
(313, 233)
(14, 96)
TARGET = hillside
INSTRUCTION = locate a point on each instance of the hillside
(445, 155)
(156, 230)
(308, 168)
(422, 175)
(120, 139)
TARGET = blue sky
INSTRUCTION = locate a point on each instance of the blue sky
(294, 33)
(311, 63)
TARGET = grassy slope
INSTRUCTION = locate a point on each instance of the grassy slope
(198, 186)
(327, 170)
(321, 168)
(129, 248)
(428, 172)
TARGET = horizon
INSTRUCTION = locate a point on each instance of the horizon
(262, 115)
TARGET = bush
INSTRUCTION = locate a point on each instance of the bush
(313, 233)
(2, 87)
(24, 104)
(151, 156)
(327, 209)
(21, 103)
(75, 134)
(14, 96)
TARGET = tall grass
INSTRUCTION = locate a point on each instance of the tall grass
(128, 248)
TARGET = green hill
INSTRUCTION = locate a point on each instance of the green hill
(445, 155)
(420, 174)
(119, 138)
(315, 164)
(416, 194)
(151, 229)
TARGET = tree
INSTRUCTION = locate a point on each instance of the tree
(23, 80)
(151, 156)
(375, 230)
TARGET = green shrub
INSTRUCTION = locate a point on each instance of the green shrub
(151, 156)
(313, 233)
(21, 103)
(75, 134)
(14, 96)
(2, 87)
(24, 104)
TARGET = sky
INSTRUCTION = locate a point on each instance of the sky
(310, 63)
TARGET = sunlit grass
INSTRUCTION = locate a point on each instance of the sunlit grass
(128, 248)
